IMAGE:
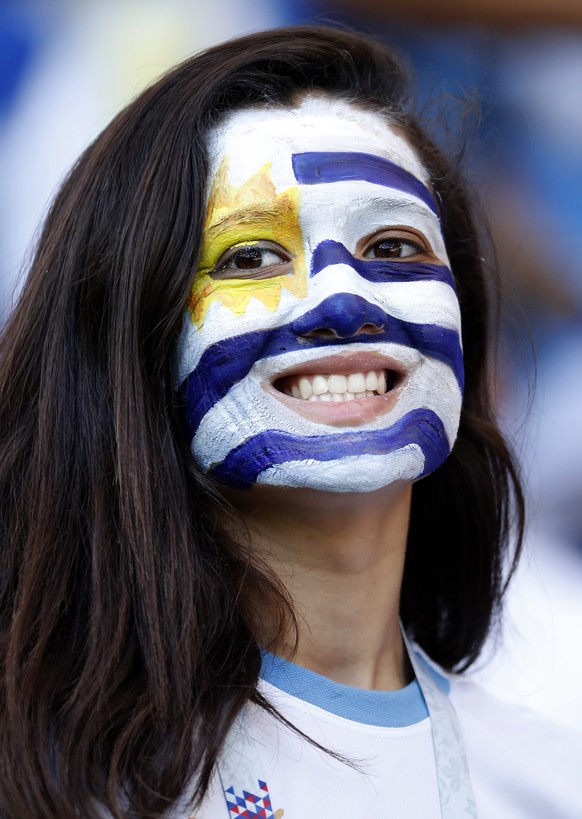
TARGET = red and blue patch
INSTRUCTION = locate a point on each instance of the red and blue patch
(249, 805)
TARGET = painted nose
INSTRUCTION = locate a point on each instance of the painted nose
(341, 316)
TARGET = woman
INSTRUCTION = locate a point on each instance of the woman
(237, 354)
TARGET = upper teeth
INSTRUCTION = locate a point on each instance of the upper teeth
(337, 387)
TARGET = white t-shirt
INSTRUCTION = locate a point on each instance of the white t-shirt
(521, 767)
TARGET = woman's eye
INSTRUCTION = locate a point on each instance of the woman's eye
(253, 259)
(394, 248)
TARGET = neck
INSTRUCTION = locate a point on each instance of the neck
(341, 557)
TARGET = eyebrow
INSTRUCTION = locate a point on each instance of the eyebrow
(256, 214)
(314, 168)
(395, 205)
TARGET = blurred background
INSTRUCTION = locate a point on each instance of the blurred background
(499, 82)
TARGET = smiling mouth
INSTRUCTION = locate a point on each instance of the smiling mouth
(338, 387)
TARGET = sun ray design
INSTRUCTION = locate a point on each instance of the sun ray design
(238, 215)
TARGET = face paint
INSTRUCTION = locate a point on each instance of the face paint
(321, 344)
(234, 215)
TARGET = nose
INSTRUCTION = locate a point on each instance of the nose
(342, 315)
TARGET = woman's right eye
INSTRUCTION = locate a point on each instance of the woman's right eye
(256, 260)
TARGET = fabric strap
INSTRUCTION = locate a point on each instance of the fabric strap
(452, 769)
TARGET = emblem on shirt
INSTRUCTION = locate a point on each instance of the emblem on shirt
(248, 805)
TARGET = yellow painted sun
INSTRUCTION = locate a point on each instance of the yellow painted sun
(252, 212)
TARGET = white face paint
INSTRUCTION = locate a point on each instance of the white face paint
(321, 344)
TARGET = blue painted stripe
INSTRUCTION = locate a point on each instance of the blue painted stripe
(344, 313)
(315, 167)
(387, 709)
(246, 462)
(228, 361)
(330, 252)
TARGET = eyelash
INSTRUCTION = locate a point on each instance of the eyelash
(418, 244)
(225, 267)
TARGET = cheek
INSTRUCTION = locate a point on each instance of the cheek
(238, 296)
(433, 304)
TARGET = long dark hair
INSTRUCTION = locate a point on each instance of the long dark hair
(127, 643)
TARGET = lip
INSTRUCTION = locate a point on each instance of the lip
(347, 413)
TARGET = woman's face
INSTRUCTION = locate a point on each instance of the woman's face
(321, 344)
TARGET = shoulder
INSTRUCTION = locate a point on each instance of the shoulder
(518, 759)
(509, 723)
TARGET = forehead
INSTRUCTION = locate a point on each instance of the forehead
(249, 139)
